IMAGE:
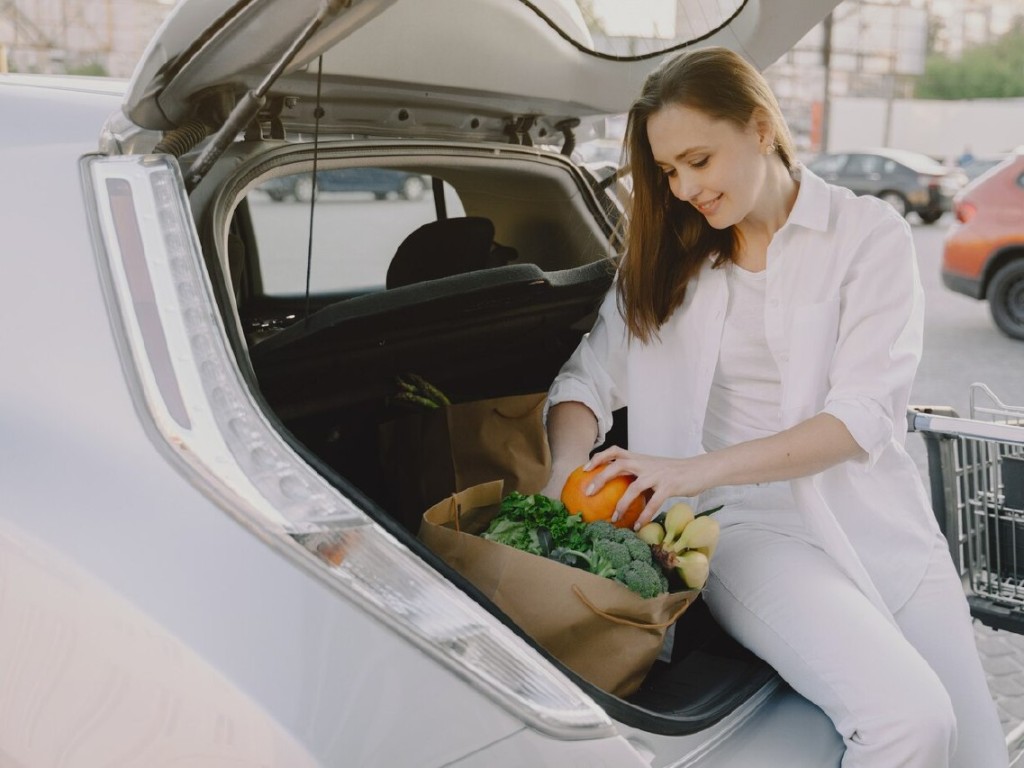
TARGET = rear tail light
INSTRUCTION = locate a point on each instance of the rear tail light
(184, 376)
(965, 211)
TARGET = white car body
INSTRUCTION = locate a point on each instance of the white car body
(162, 599)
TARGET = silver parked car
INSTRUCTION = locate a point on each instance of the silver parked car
(201, 561)
(909, 181)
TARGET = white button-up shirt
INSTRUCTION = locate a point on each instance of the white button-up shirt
(844, 321)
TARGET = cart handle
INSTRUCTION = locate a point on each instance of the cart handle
(938, 423)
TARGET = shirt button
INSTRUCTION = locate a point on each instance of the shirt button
(784, 357)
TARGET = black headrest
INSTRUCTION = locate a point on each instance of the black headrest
(445, 247)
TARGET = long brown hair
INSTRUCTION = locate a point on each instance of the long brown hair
(666, 239)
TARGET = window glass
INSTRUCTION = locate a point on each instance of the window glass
(637, 28)
(863, 165)
(360, 218)
(828, 164)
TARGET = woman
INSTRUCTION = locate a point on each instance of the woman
(764, 330)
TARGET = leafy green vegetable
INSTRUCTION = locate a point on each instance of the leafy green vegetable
(536, 524)
(543, 526)
(515, 533)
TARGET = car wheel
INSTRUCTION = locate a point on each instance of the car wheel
(1006, 299)
(930, 217)
(304, 189)
(896, 200)
(413, 188)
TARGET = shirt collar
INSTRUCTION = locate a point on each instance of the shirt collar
(813, 199)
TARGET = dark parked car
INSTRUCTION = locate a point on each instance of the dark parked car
(984, 250)
(380, 181)
(908, 181)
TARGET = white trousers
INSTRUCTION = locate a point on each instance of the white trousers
(915, 696)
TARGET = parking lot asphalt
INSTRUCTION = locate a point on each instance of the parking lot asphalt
(1002, 656)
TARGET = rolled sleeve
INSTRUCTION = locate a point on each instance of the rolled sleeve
(868, 424)
(568, 389)
(880, 338)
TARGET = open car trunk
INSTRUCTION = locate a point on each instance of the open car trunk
(325, 363)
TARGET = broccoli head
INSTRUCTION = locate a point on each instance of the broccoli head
(615, 553)
(601, 529)
(639, 549)
(609, 557)
(623, 534)
(645, 579)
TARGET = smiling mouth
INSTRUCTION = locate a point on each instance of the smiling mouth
(707, 205)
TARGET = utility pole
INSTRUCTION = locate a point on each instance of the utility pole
(890, 96)
(826, 97)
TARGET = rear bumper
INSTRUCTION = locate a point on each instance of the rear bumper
(968, 286)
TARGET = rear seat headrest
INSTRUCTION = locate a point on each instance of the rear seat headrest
(446, 247)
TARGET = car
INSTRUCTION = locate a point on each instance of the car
(983, 250)
(909, 181)
(380, 182)
(199, 556)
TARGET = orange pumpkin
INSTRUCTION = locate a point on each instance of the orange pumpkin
(601, 505)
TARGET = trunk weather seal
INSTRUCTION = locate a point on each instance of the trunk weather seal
(641, 57)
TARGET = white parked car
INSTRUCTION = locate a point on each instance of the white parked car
(200, 562)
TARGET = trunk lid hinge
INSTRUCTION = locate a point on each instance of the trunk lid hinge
(251, 102)
(518, 130)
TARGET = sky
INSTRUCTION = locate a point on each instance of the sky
(639, 18)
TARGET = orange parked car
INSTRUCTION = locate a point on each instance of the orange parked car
(984, 249)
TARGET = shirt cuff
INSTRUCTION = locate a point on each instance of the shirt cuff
(566, 390)
(867, 422)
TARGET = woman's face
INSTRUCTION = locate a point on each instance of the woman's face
(711, 164)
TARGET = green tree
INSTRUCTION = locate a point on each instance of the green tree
(93, 68)
(991, 71)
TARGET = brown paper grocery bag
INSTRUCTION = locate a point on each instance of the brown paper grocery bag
(594, 625)
(429, 455)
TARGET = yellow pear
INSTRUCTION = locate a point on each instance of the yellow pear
(652, 534)
(679, 516)
(702, 532)
(693, 568)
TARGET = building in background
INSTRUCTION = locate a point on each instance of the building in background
(868, 48)
(102, 37)
(864, 60)
(960, 24)
(875, 50)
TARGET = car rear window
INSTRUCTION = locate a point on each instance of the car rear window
(361, 217)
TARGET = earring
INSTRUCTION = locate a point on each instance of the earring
(769, 149)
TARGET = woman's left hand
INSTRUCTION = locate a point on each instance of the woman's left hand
(663, 478)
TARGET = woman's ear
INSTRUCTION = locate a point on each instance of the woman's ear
(764, 129)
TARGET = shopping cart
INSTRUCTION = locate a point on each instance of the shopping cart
(976, 473)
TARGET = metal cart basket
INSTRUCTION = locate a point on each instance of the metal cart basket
(976, 472)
